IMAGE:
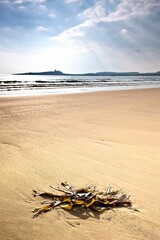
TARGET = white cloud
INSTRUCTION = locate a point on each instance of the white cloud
(83, 37)
(42, 29)
(124, 31)
(98, 14)
(73, 32)
(51, 15)
(131, 8)
(71, 1)
(72, 36)
(22, 7)
(124, 10)
(97, 11)
(22, 1)
(28, 1)
(18, 1)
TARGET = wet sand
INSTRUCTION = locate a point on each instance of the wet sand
(102, 138)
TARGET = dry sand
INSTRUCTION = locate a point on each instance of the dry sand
(102, 138)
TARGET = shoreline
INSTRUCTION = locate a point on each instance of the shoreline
(106, 138)
(90, 90)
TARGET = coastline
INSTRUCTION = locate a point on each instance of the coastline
(48, 85)
(79, 91)
(101, 138)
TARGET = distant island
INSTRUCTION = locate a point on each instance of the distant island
(55, 72)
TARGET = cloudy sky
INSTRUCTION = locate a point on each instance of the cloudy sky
(77, 36)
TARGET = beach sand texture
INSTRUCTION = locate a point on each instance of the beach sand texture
(102, 139)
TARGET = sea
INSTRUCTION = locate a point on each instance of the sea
(24, 85)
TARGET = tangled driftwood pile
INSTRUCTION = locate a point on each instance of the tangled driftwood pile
(88, 197)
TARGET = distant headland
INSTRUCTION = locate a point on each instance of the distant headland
(56, 73)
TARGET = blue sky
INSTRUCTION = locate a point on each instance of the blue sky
(77, 36)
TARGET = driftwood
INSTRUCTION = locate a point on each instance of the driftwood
(88, 197)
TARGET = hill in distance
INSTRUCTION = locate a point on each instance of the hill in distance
(57, 72)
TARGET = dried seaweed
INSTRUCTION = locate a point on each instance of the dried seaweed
(88, 197)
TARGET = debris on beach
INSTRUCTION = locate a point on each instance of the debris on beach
(87, 197)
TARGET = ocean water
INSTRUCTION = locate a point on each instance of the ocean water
(17, 85)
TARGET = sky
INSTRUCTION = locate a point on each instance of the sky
(79, 36)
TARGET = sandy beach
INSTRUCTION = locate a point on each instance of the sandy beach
(102, 138)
